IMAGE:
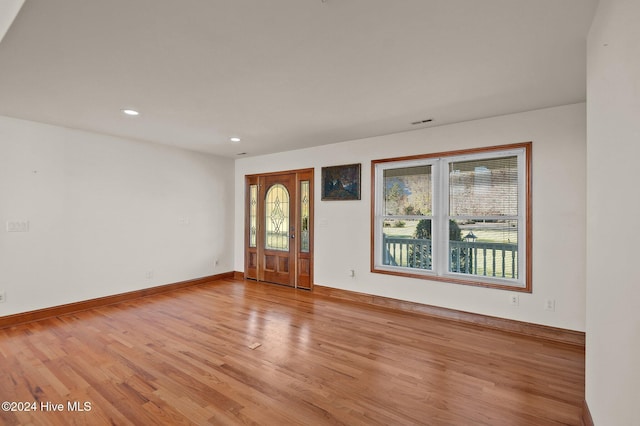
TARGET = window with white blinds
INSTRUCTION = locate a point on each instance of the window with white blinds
(458, 216)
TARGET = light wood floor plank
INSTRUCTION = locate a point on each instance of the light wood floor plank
(183, 357)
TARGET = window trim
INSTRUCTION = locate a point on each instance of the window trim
(496, 283)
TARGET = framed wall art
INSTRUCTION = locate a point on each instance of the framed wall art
(341, 182)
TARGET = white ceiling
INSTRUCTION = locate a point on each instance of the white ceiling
(287, 74)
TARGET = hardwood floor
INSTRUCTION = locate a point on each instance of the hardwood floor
(183, 358)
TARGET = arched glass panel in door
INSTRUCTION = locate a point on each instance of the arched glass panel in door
(277, 218)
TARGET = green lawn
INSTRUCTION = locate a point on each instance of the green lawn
(488, 234)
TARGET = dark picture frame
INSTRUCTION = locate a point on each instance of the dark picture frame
(341, 182)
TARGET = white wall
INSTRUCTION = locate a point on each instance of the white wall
(613, 152)
(342, 228)
(103, 212)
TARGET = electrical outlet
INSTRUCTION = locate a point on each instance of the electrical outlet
(217, 262)
(149, 274)
(550, 305)
(514, 299)
(3, 296)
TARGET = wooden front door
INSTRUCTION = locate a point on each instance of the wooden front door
(278, 228)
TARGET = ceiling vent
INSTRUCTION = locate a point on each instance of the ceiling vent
(428, 120)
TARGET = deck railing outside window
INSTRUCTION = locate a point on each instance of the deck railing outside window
(468, 257)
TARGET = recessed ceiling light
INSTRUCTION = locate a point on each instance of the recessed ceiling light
(234, 139)
(130, 111)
